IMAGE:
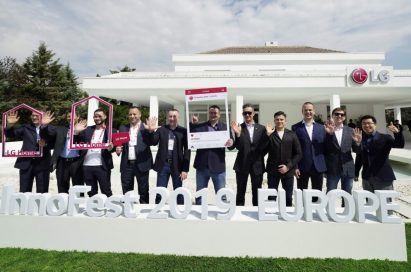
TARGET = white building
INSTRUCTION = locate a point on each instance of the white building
(272, 78)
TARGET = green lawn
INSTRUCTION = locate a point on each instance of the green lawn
(41, 260)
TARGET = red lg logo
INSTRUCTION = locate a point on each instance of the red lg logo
(359, 76)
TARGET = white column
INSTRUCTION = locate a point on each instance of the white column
(182, 110)
(154, 106)
(239, 108)
(92, 106)
(334, 102)
(397, 114)
(379, 114)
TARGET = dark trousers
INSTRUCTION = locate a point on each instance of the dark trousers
(127, 181)
(65, 169)
(256, 182)
(316, 181)
(162, 181)
(94, 174)
(27, 176)
(287, 184)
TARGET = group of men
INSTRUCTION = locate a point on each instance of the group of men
(309, 151)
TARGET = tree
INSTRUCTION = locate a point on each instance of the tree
(48, 84)
(11, 82)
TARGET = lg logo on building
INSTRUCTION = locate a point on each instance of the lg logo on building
(360, 76)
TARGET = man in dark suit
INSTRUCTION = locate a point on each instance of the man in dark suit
(136, 158)
(210, 162)
(284, 152)
(312, 140)
(339, 143)
(66, 162)
(374, 148)
(32, 137)
(250, 139)
(173, 155)
(97, 163)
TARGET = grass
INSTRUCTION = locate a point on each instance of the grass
(12, 259)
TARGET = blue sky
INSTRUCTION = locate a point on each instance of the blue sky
(97, 35)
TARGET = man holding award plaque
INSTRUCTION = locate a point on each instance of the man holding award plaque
(210, 162)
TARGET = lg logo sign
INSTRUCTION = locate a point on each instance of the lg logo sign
(360, 76)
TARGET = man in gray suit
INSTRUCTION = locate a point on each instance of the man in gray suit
(339, 142)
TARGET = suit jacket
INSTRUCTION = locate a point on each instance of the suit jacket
(338, 158)
(375, 155)
(57, 135)
(144, 158)
(313, 150)
(209, 158)
(181, 153)
(27, 133)
(250, 154)
(283, 151)
(85, 136)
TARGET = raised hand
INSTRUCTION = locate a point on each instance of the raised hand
(270, 129)
(151, 124)
(357, 135)
(236, 128)
(329, 127)
(393, 128)
(12, 118)
(47, 118)
(194, 118)
(80, 126)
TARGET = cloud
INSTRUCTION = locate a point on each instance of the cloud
(95, 36)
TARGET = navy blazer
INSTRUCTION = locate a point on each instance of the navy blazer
(250, 154)
(283, 151)
(144, 158)
(313, 151)
(339, 158)
(375, 155)
(181, 154)
(209, 158)
(27, 133)
(106, 158)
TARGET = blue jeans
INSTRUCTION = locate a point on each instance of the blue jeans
(346, 183)
(287, 184)
(203, 177)
(162, 181)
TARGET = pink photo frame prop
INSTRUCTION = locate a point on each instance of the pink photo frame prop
(80, 146)
(6, 151)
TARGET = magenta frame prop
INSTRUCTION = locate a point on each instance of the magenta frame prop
(19, 153)
(80, 146)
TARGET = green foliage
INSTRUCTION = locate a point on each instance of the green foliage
(41, 82)
(12, 259)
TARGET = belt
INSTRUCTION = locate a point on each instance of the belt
(131, 161)
(169, 161)
(69, 159)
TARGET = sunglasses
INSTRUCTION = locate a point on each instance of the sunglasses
(339, 114)
(247, 113)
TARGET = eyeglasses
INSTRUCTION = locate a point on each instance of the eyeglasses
(367, 123)
(339, 114)
(247, 113)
